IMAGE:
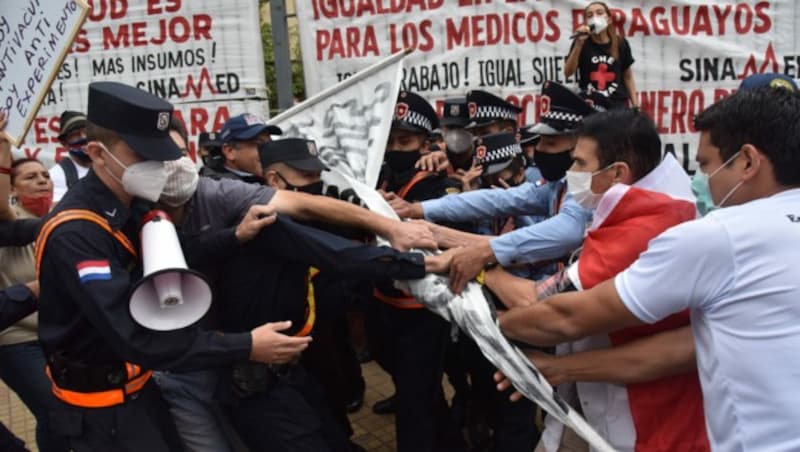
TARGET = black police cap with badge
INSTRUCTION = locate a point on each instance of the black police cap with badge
(299, 153)
(561, 110)
(561, 113)
(414, 113)
(209, 140)
(486, 108)
(496, 151)
(454, 112)
(140, 118)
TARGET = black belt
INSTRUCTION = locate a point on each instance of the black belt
(83, 377)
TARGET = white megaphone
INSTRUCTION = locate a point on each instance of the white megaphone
(170, 296)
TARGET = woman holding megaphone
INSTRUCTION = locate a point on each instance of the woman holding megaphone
(602, 57)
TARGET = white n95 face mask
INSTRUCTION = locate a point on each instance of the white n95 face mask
(579, 185)
(182, 178)
(143, 180)
(598, 24)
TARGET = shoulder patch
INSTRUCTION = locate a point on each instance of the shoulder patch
(94, 270)
(452, 190)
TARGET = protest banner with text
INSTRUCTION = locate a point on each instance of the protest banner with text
(203, 56)
(35, 36)
(688, 54)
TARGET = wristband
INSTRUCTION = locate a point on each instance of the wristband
(5, 170)
(481, 278)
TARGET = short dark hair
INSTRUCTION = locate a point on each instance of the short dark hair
(177, 125)
(624, 135)
(106, 136)
(767, 118)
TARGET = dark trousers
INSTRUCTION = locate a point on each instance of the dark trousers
(291, 415)
(9, 442)
(513, 423)
(142, 423)
(412, 344)
(330, 359)
(22, 369)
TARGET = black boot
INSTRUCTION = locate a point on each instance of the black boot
(385, 406)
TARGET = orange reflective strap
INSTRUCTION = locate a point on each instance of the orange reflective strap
(311, 304)
(406, 302)
(74, 215)
(101, 399)
(414, 180)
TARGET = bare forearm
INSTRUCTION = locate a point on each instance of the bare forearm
(630, 85)
(569, 316)
(539, 324)
(453, 238)
(571, 65)
(6, 212)
(512, 290)
(646, 359)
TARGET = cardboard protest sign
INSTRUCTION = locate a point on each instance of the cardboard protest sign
(35, 37)
(203, 56)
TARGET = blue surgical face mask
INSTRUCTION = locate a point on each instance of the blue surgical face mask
(702, 189)
(702, 192)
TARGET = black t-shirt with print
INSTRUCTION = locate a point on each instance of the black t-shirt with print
(597, 67)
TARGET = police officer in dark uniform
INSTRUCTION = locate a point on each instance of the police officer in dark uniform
(410, 340)
(294, 164)
(98, 358)
(209, 148)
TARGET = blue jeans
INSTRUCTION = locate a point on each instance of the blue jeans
(22, 369)
(190, 399)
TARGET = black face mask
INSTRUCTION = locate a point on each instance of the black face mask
(314, 188)
(401, 161)
(553, 166)
(460, 161)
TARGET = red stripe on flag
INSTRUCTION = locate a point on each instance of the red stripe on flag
(84, 264)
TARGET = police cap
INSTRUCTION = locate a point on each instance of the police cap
(496, 151)
(140, 118)
(299, 153)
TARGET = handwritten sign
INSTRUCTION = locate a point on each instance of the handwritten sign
(35, 36)
(205, 57)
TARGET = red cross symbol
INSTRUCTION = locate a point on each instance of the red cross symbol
(601, 76)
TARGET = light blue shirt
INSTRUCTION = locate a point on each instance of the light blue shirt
(550, 239)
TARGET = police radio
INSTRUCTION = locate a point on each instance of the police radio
(170, 296)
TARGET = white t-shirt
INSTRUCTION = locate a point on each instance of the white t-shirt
(738, 272)
(60, 179)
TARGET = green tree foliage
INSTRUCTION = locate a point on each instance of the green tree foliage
(298, 83)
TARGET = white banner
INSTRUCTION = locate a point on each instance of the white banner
(35, 36)
(688, 53)
(350, 123)
(471, 313)
(204, 56)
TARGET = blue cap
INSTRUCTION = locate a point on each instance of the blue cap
(770, 79)
(140, 118)
(245, 127)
